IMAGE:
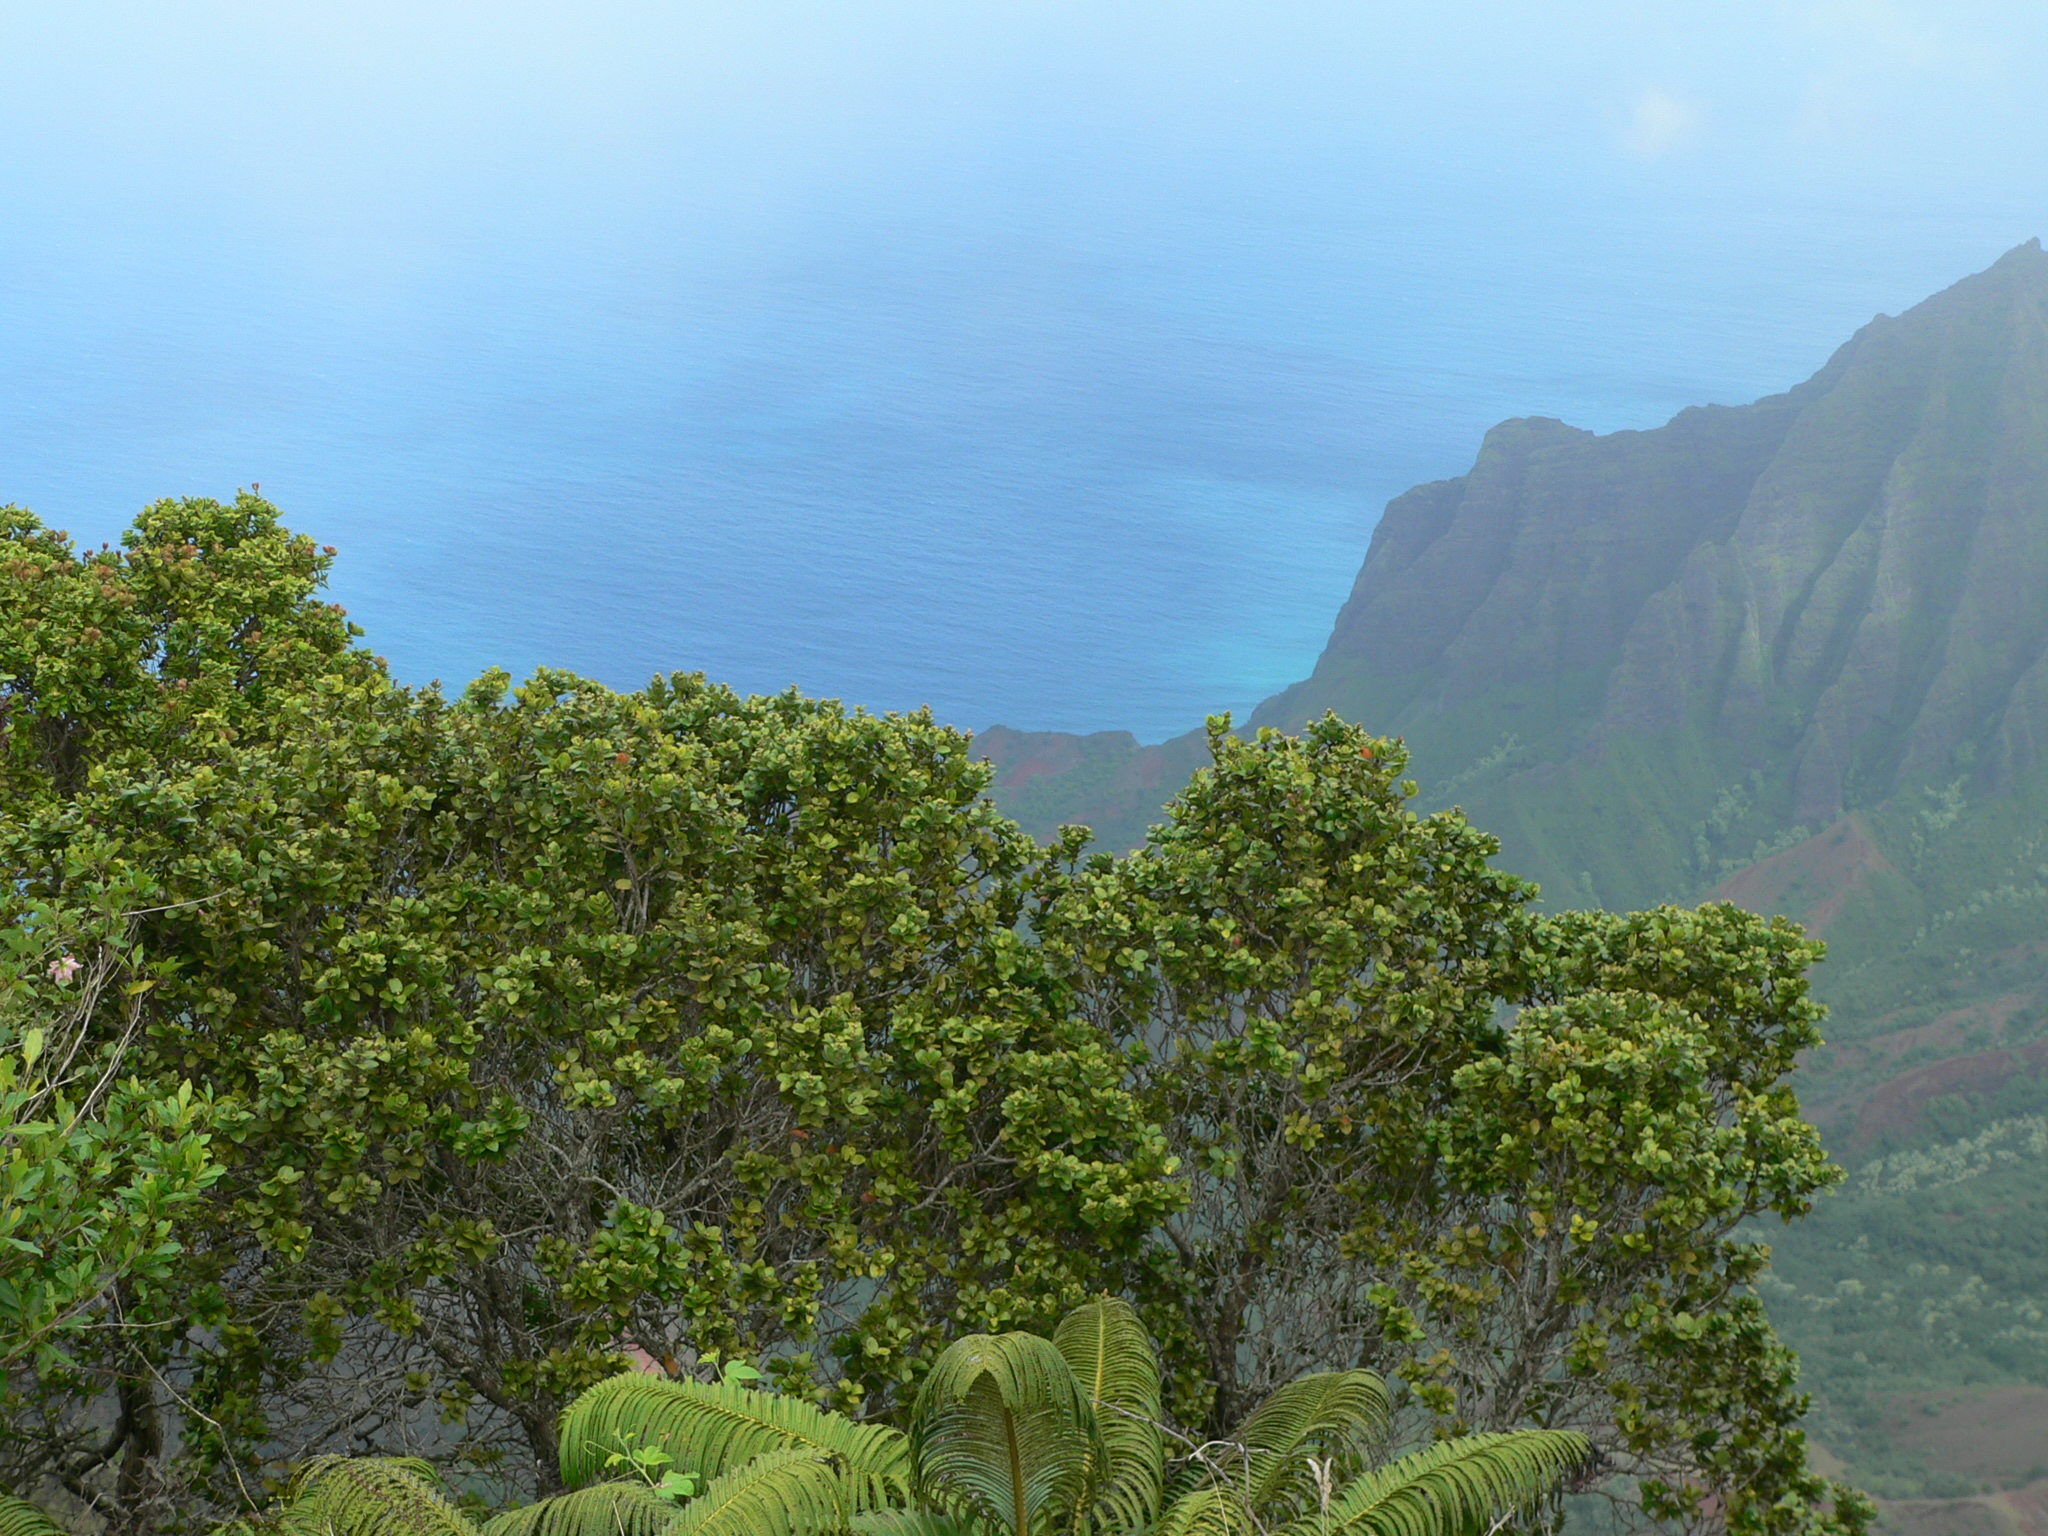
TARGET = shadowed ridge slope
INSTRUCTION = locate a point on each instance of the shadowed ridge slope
(1640, 654)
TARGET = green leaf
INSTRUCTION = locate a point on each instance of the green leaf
(603, 1509)
(1112, 1357)
(370, 1496)
(1325, 1414)
(18, 1517)
(1457, 1488)
(910, 1522)
(709, 1429)
(1003, 1431)
(782, 1493)
(1209, 1511)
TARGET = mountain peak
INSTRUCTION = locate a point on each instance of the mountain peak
(1841, 591)
(1819, 601)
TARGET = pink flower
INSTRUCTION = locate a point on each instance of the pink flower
(61, 971)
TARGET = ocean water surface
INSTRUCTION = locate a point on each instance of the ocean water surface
(1045, 365)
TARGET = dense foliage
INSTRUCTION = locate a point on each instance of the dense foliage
(1538, 1224)
(1013, 1434)
(94, 1167)
(541, 1031)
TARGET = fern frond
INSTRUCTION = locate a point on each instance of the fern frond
(1333, 1409)
(910, 1522)
(370, 1496)
(18, 1517)
(1206, 1512)
(710, 1429)
(1004, 1433)
(1457, 1488)
(603, 1509)
(795, 1492)
(1111, 1355)
(1332, 1414)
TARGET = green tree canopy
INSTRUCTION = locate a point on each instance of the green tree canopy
(552, 1025)
(1501, 1156)
(95, 1166)
(546, 1029)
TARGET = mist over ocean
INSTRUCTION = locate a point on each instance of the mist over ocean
(1047, 364)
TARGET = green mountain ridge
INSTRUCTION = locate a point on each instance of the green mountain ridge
(1793, 653)
(1792, 608)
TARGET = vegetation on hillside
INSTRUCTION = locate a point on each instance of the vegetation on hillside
(546, 1031)
(1794, 653)
(1919, 1285)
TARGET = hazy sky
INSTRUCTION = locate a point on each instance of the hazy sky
(443, 275)
(409, 129)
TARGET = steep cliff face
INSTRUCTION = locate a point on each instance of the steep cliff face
(1637, 656)
(1811, 604)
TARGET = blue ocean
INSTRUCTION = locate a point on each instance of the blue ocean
(1048, 365)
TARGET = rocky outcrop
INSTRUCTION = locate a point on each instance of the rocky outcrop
(1814, 603)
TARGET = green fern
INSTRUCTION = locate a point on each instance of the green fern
(1111, 1355)
(18, 1517)
(713, 1429)
(910, 1522)
(1329, 1414)
(603, 1509)
(370, 1496)
(1004, 1433)
(1013, 1435)
(1457, 1488)
(1210, 1511)
(795, 1492)
(1016, 1435)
